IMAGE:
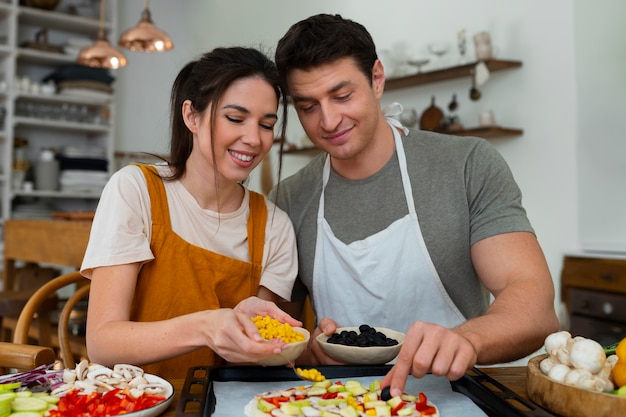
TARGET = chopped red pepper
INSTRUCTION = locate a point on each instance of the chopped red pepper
(422, 402)
(112, 403)
(329, 395)
(277, 400)
(429, 411)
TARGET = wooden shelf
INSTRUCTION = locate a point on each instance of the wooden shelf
(449, 73)
(487, 132)
(309, 150)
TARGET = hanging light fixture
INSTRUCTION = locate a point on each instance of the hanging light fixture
(145, 37)
(101, 54)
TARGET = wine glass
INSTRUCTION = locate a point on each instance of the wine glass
(439, 49)
(418, 62)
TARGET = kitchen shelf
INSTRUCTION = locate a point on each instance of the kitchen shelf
(308, 150)
(70, 121)
(486, 132)
(59, 21)
(448, 73)
(64, 98)
(60, 125)
(57, 194)
(35, 56)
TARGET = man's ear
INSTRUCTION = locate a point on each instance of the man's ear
(378, 78)
(190, 116)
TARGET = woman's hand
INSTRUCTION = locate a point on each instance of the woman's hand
(255, 306)
(234, 336)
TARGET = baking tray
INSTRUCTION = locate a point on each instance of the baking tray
(495, 398)
(197, 398)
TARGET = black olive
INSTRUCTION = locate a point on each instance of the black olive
(367, 336)
(385, 394)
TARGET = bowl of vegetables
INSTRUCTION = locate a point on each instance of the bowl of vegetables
(87, 390)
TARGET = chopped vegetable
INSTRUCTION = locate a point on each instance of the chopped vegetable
(610, 349)
(41, 378)
(111, 403)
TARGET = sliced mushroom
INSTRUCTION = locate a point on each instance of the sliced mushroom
(128, 371)
(136, 381)
(152, 389)
(81, 370)
(99, 372)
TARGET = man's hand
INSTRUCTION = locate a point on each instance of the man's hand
(314, 355)
(430, 348)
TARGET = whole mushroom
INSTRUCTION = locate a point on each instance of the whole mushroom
(587, 354)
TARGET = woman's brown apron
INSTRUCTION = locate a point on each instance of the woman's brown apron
(184, 278)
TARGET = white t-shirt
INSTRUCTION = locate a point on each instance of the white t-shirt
(122, 229)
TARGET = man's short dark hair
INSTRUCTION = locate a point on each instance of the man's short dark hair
(323, 39)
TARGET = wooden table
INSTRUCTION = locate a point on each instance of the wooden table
(57, 242)
(514, 377)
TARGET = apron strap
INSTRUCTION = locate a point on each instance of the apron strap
(257, 221)
(159, 207)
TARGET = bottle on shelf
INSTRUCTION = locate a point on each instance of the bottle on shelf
(47, 171)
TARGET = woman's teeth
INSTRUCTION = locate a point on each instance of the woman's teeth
(245, 158)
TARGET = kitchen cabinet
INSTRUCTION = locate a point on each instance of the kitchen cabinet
(445, 74)
(37, 116)
(594, 292)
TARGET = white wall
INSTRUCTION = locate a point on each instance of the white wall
(601, 78)
(542, 97)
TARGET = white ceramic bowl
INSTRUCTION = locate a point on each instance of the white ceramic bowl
(293, 351)
(355, 355)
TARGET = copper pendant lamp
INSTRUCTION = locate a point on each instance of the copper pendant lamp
(145, 37)
(101, 54)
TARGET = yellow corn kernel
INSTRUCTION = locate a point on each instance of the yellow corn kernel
(311, 374)
(371, 412)
(270, 329)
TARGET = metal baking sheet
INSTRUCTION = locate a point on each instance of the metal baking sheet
(224, 392)
(495, 398)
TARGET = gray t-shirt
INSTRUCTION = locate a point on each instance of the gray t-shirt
(463, 190)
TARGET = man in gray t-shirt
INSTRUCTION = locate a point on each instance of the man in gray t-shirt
(404, 229)
(463, 191)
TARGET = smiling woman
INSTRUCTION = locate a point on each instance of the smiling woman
(181, 254)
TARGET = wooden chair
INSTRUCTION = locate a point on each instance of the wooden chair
(55, 242)
(65, 342)
(24, 357)
(12, 300)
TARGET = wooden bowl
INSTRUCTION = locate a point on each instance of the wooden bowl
(567, 400)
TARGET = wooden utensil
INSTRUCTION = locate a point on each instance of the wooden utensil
(432, 117)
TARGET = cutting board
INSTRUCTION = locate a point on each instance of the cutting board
(569, 401)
